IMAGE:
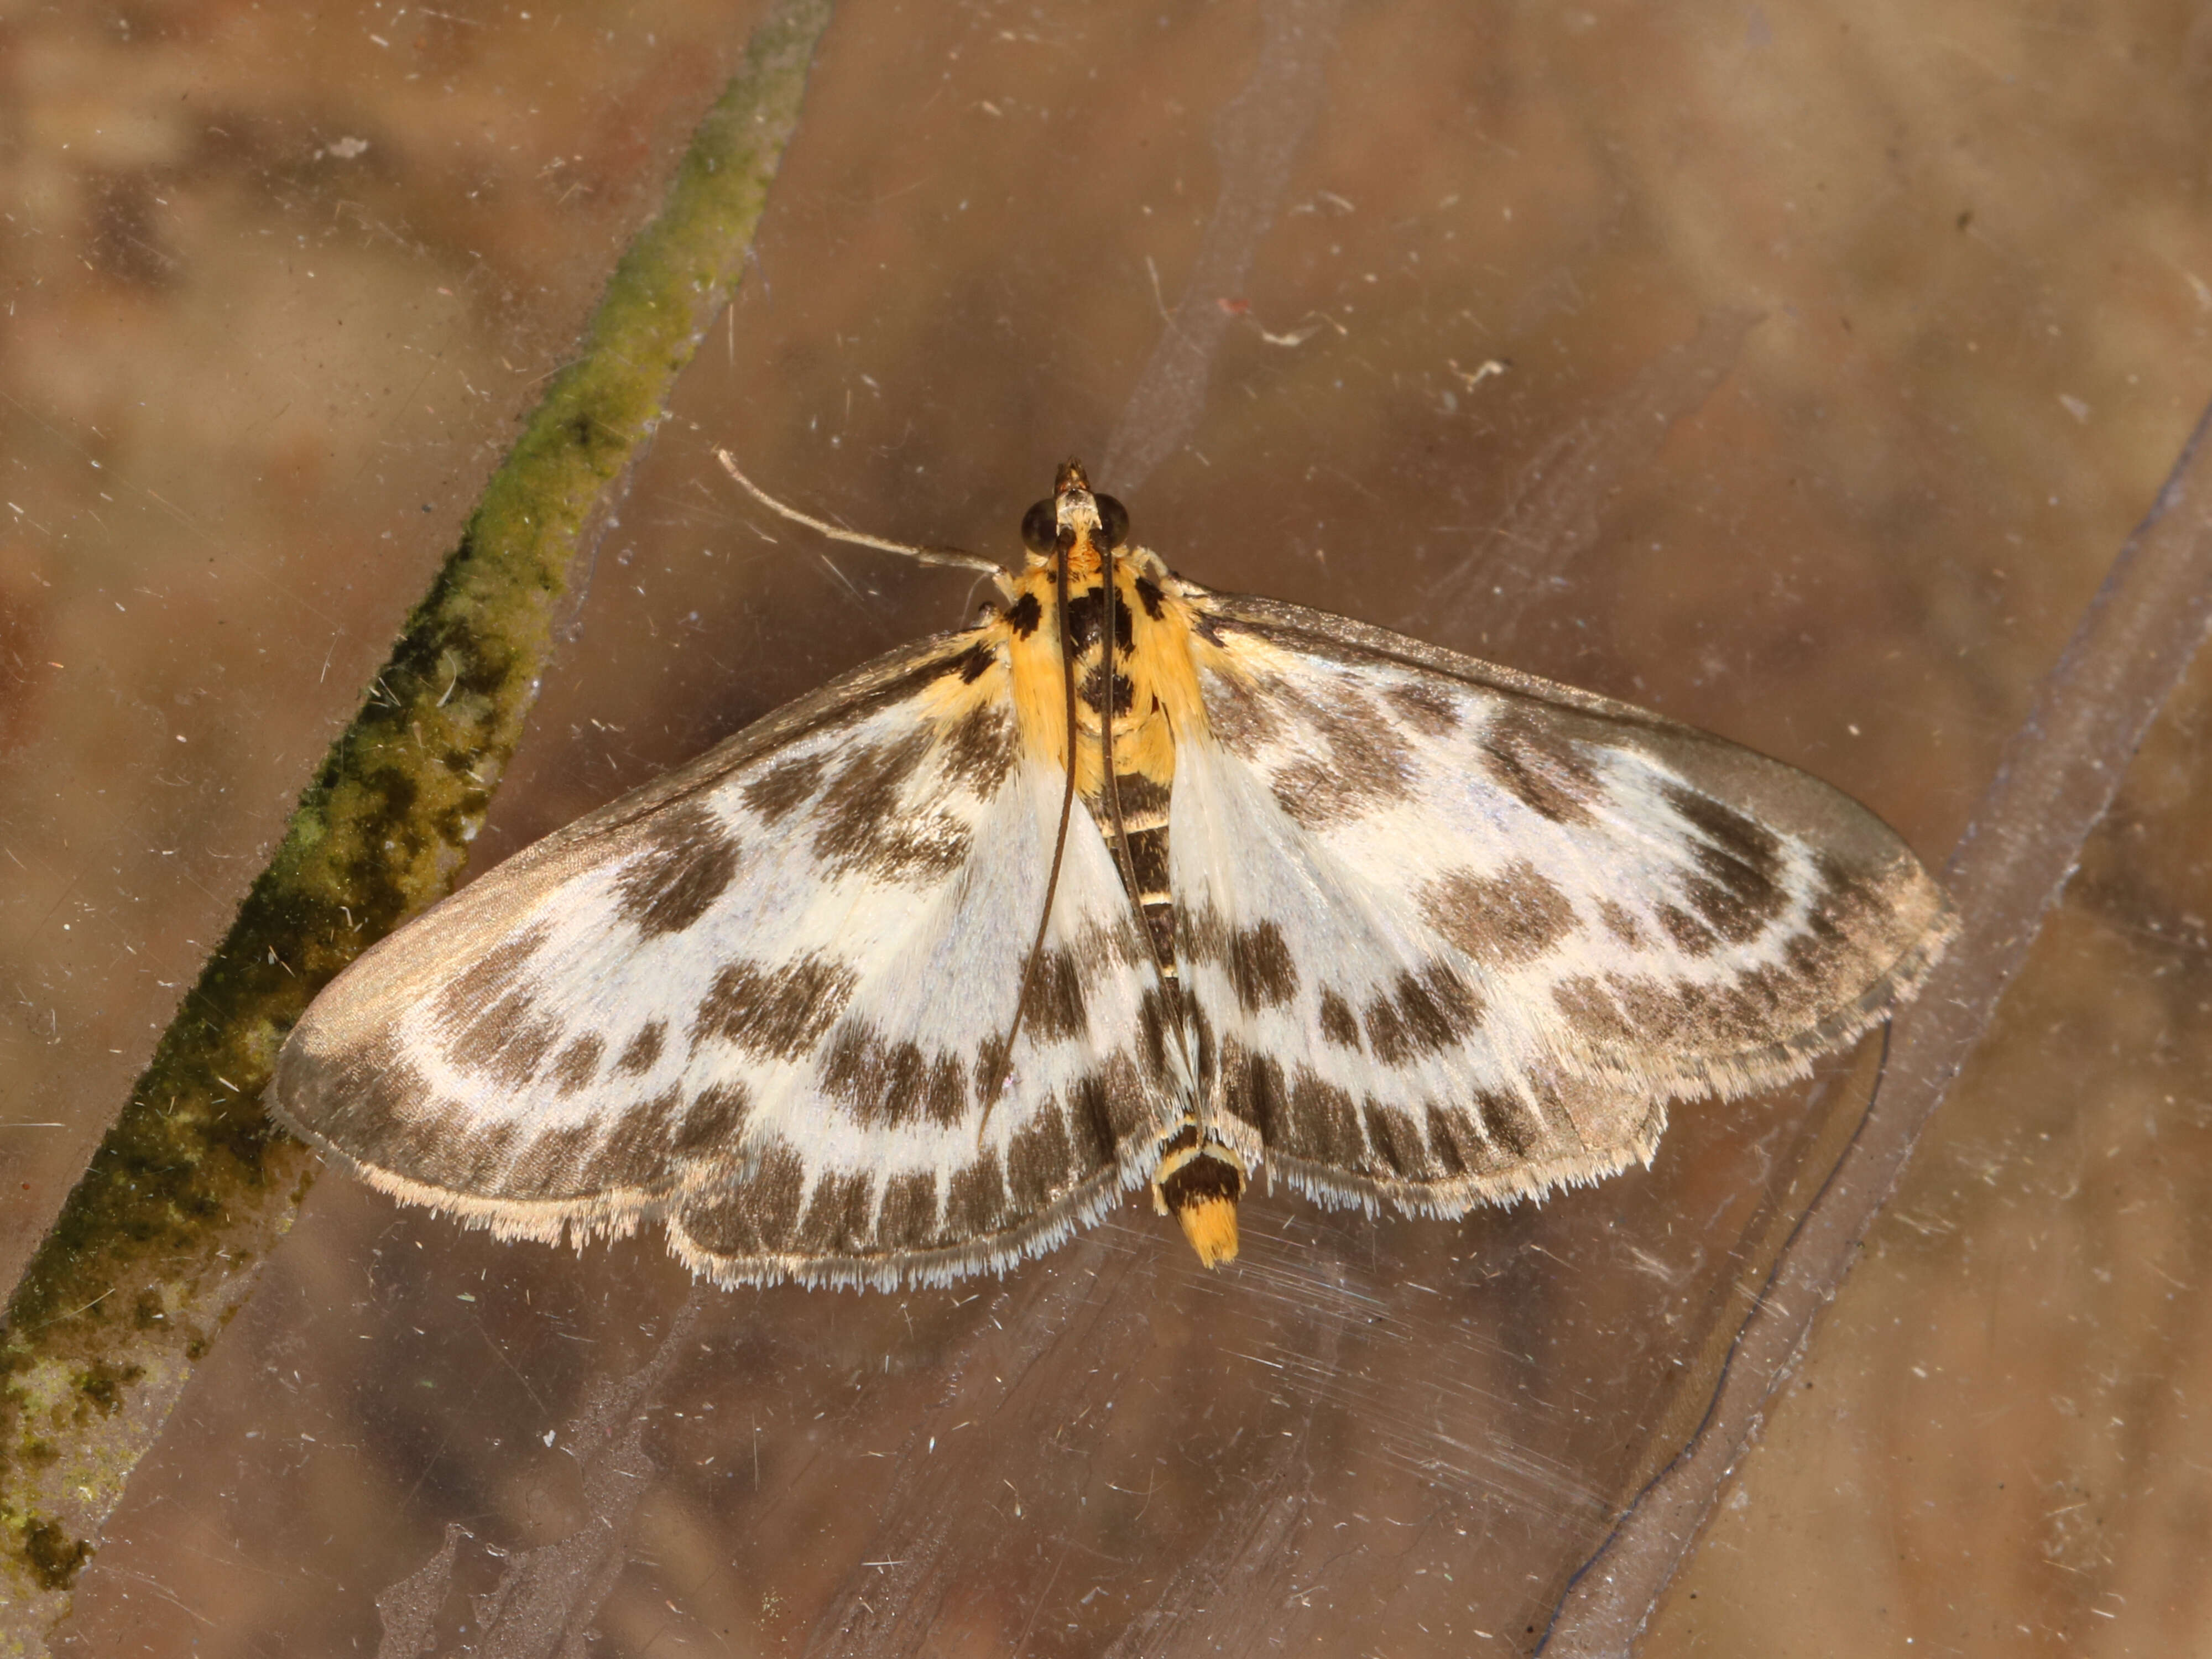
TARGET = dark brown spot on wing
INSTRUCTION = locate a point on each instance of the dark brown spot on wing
(921, 850)
(637, 1150)
(475, 988)
(689, 856)
(1540, 767)
(1203, 935)
(1260, 968)
(1422, 1013)
(503, 1044)
(908, 1220)
(1253, 1089)
(1244, 716)
(1152, 1026)
(1355, 759)
(752, 1214)
(778, 1012)
(376, 1105)
(1591, 1011)
(643, 1049)
(1503, 919)
(1454, 1145)
(775, 792)
(1261, 971)
(1394, 1146)
(1679, 1012)
(1691, 936)
(838, 1215)
(1683, 1017)
(991, 1064)
(1429, 709)
(885, 1082)
(1621, 922)
(1054, 1007)
(971, 665)
(1338, 1023)
(1743, 839)
(977, 1206)
(1160, 919)
(860, 705)
(555, 1163)
(979, 750)
(579, 1063)
(480, 1162)
(1041, 1162)
(1128, 1105)
(1441, 1007)
(1386, 1031)
(863, 824)
(1729, 911)
(1509, 1124)
(1858, 910)
(713, 1120)
(1108, 943)
(1097, 1118)
(1319, 1123)
(1739, 892)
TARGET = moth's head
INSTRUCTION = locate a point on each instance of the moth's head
(1075, 518)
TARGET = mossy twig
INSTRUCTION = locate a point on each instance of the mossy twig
(159, 1244)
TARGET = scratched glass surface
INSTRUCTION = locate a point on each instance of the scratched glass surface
(1797, 373)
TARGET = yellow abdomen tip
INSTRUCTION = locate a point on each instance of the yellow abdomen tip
(1210, 1224)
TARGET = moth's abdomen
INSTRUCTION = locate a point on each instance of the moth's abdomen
(1144, 804)
(1198, 1182)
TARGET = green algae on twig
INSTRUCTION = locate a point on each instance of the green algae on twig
(159, 1244)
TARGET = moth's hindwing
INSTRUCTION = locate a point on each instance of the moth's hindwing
(1451, 933)
(759, 1000)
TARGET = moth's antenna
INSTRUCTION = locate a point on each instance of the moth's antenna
(1005, 1059)
(952, 557)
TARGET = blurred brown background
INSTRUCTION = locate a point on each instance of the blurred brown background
(1836, 350)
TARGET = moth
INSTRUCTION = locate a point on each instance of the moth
(1130, 884)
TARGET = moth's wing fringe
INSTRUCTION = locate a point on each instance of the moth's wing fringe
(1773, 1064)
(615, 1215)
(997, 1253)
(1737, 1075)
(1335, 1189)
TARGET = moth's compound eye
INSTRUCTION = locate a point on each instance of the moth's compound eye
(1114, 517)
(1041, 529)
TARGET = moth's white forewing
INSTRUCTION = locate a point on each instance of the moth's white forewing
(757, 998)
(1456, 934)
